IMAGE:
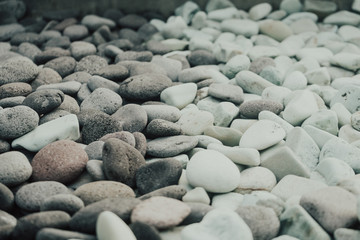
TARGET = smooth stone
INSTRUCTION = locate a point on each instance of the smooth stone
(300, 107)
(90, 64)
(275, 29)
(295, 80)
(102, 99)
(267, 115)
(346, 233)
(6, 198)
(282, 161)
(85, 219)
(298, 223)
(265, 199)
(17, 121)
(95, 169)
(80, 49)
(9, 30)
(51, 54)
(194, 122)
(11, 102)
(340, 149)
(319, 136)
(340, 82)
(272, 74)
(198, 176)
(63, 202)
(63, 65)
(121, 161)
(163, 173)
(15, 169)
(179, 95)
(143, 56)
(198, 211)
(46, 76)
(197, 195)
(235, 65)
(291, 186)
(343, 17)
(93, 22)
(44, 101)
(321, 54)
(347, 96)
(227, 92)
(291, 6)
(174, 191)
(96, 191)
(346, 60)
(171, 146)
(261, 63)
(242, 124)
(259, 11)
(162, 128)
(110, 227)
(153, 212)
(251, 109)
(344, 116)
(28, 226)
(172, 66)
(211, 227)
(325, 120)
(304, 25)
(18, 69)
(303, 146)
(275, 93)
(271, 133)
(165, 112)
(291, 45)
(355, 120)
(114, 72)
(256, 179)
(76, 32)
(224, 50)
(348, 32)
(323, 206)
(318, 76)
(133, 116)
(239, 155)
(15, 89)
(30, 196)
(224, 113)
(263, 51)
(334, 170)
(243, 27)
(228, 136)
(96, 82)
(143, 231)
(54, 233)
(231, 200)
(251, 82)
(262, 221)
(223, 14)
(66, 127)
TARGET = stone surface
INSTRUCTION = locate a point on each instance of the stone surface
(102, 99)
(16, 168)
(194, 122)
(54, 233)
(256, 179)
(133, 117)
(171, 146)
(109, 226)
(251, 109)
(251, 82)
(18, 69)
(63, 202)
(180, 95)
(44, 101)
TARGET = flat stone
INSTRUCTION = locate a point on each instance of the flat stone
(211, 227)
(93, 22)
(199, 175)
(271, 133)
(80, 49)
(66, 127)
(251, 109)
(282, 161)
(228, 136)
(153, 212)
(165, 112)
(227, 92)
(109, 226)
(63, 202)
(179, 95)
(334, 170)
(256, 179)
(291, 186)
(171, 146)
(275, 29)
(16, 168)
(96, 82)
(343, 17)
(323, 205)
(102, 99)
(251, 82)
(53, 233)
(248, 27)
(96, 191)
(30, 196)
(114, 72)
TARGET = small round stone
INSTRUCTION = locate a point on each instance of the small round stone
(15, 168)
(132, 21)
(102, 99)
(63, 65)
(15, 89)
(162, 173)
(252, 108)
(133, 117)
(63, 202)
(162, 128)
(18, 69)
(76, 32)
(201, 57)
(61, 161)
(91, 64)
(99, 190)
(227, 92)
(45, 100)
(30, 196)
(114, 72)
(80, 49)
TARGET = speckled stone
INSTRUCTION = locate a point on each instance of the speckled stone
(227, 92)
(162, 173)
(44, 101)
(94, 150)
(252, 108)
(171, 146)
(140, 142)
(173, 191)
(121, 161)
(15, 89)
(125, 136)
(132, 21)
(62, 65)
(28, 226)
(50, 54)
(114, 72)
(61, 161)
(4, 146)
(63, 202)
(46, 76)
(30, 196)
(90, 64)
(162, 128)
(153, 211)
(18, 69)
(133, 117)
(15, 168)
(85, 219)
(6, 198)
(102, 99)
(99, 190)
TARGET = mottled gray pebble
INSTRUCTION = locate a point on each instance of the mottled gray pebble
(57, 113)
(80, 49)
(76, 32)
(171, 146)
(125, 136)
(15, 89)
(259, 64)
(83, 92)
(50, 54)
(15, 168)
(59, 234)
(17, 69)
(63, 202)
(166, 112)
(17, 121)
(162, 128)
(94, 150)
(6, 198)
(30, 196)
(102, 99)
(95, 170)
(133, 117)
(44, 101)
(63, 65)
(95, 82)
(143, 56)
(29, 50)
(227, 92)
(9, 30)
(114, 72)
(252, 108)
(81, 77)
(46, 76)
(11, 102)
(173, 191)
(91, 64)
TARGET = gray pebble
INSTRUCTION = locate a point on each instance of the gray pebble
(140, 142)
(81, 77)
(15, 89)
(157, 48)
(174, 191)
(144, 87)
(60, 26)
(17, 121)
(70, 105)
(346, 234)
(46, 76)
(166, 112)
(85, 219)
(93, 22)
(91, 64)
(133, 117)
(131, 35)
(30, 196)
(125, 136)
(112, 51)
(63, 202)
(76, 32)
(48, 34)
(114, 72)
(355, 120)
(184, 62)
(252, 108)
(201, 57)
(205, 83)
(198, 211)
(6, 198)
(59, 234)
(162, 128)
(143, 56)
(17, 69)
(11, 102)
(4, 145)
(9, 30)
(7, 224)
(15, 168)
(272, 74)
(227, 92)
(101, 82)
(80, 49)
(28, 226)
(69, 87)
(259, 64)
(44, 101)
(29, 37)
(50, 54)
(83, 92)
(95, 170)
(61, 42)
(94, 150)
(138, 68)
(102, 99)
(63, 65)
(171, 146)
(171, 66)
(57, 113)
(132, 21)
(29, 50)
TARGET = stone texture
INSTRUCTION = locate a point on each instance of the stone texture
(16, 168)
(133, 117)
(63, 202)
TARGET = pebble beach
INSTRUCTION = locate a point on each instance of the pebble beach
(215, 123)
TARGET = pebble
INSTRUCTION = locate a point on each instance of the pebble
(179, 95)
(93, 22)
(18, 69)
(235, 65)
(121, 161)
(114, 72)
(8, 223)
(278, 30)
(6, 197)
(153, 211)
(194, 122)
(343, 17)
(226, 92)
(15, 169)
(85, 219)
(173, 191)
(144, 231)
(133, 117)
(30, 196)
(196, 195)
(102, 99)
(323, 203)
(251, 82)
(9, 30)
(334, 171)
(63, 202)
(96, 191)
(228, 136)
(256, 179)
(200, 175)
(251, 109)
(159, 111)
(66, 127)
(212, 227)
(245, 27)
(109, 227)
(171, 146)
(17, 121)
(231, 200)
(80, 49)
(53, 233)
(346, 96)
(262, 134)
(260, 11)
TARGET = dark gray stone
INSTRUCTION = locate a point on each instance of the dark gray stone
(11, 102)
(171, 146)
(28, 37)
(63, 65)
(114, 72)
(198, 211)
(63, 202)
(58, 234)
(17, 69)
(133, 117)
(7, 225)
(6, 198)
(132, 21)
(50, 54)
(174, 191)
(61, 42)
(162, 128)
(44, 101)
(143, 231)
(251, 109)
(131, 35)
(201, 57)
(142, 56)
(157, 47)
